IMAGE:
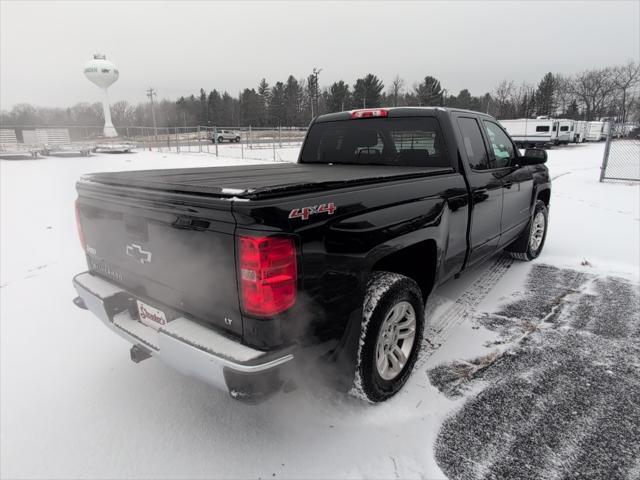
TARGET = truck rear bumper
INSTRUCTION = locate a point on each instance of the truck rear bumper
(183, 344)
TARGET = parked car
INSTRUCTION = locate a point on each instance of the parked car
(229, 273)
(220, 136)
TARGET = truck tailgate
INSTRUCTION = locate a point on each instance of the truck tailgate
(172, 256)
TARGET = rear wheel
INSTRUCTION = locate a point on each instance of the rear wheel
(392, 326)
(220, 139)
(237, 139)
(529, 245)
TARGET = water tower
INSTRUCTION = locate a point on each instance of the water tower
(103, 73)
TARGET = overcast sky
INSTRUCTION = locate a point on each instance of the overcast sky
(178, 47)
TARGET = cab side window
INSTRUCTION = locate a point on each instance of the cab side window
(473, 143)
(503, 150)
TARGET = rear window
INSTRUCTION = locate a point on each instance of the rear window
(414, 141)
(564, 128)
(542, 128)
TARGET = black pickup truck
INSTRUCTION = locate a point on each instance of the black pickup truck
(229, 273)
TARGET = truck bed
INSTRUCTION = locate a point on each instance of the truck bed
(258, 181)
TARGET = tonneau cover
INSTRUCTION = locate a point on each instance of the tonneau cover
(253, 181)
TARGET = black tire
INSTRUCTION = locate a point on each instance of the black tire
(220, 139)
(522, 248)
(237, 139)
(384, 291)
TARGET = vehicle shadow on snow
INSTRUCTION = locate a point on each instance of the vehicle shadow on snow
(560, 396)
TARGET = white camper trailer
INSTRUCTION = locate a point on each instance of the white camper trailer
(596, 131)
(528, 132)
(580, 131)
(565, 131)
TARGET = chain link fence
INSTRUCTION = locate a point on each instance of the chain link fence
(621, 160)
(254, 143)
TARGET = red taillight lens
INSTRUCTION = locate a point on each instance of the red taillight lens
(373, 112)
(79, 225)
(268, 274)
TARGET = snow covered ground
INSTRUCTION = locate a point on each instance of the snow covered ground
(74, 405)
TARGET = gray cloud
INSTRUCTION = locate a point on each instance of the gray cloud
(179, 47)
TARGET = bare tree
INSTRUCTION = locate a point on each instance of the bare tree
(625, 78)
(594, 88)
(501, 96)
(524, 100)
(563, 92)
(123, 113)
(395, 90)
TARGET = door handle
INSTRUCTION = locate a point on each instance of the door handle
(508, 184)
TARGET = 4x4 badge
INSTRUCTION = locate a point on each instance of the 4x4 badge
(305, 212)
(136, 252)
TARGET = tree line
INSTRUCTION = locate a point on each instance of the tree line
(602, 92)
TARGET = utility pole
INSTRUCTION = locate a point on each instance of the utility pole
(152, 93)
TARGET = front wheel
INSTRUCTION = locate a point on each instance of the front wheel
(392, 326)
(529, 245)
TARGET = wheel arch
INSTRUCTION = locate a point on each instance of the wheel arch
(418, 261)
(544, 194)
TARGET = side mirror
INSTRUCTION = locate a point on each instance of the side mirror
(533, 156)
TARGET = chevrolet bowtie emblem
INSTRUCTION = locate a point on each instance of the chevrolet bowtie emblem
(136, 252)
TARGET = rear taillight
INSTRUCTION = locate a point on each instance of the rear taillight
(79, 225)
(370, 113)
(268, 274)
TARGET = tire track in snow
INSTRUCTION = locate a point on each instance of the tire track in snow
(438, 331)
(554, 406)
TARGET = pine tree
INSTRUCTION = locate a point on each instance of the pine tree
(367, 92)
(546, 95)
(265, 96)
(227, 112)
(338, 97)
(277, 105)
(215, 108)
(463, 100)
(251, 107)
(429, 92)
(204, 108)
(292, 101)
(573, 111)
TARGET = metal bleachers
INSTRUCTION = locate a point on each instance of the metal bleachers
(9, 145)
(52, 141)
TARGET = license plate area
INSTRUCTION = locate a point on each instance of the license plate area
(151, 316)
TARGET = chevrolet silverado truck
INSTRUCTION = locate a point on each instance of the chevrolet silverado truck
(230, 273)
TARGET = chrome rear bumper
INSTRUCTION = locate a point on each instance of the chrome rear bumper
(183, 344)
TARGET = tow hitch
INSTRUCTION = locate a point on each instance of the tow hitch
(79, 302)
(139, 353)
